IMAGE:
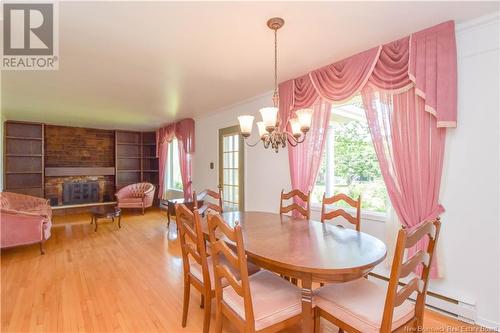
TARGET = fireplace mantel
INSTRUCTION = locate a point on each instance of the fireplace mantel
(79, 171)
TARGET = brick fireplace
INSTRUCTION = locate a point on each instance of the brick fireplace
(55, 186)
(81, 161)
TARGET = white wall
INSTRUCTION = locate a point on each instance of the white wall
(470, 191)
(258, 173)
(469, 245)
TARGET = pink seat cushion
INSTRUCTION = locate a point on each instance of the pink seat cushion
(195, 269)
(134, 200)
(274, 299)
(360, 304)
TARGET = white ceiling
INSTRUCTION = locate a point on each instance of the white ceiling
(139, 65)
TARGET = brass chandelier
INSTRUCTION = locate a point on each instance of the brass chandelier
(269, 128)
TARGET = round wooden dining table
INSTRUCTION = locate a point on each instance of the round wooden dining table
(308, 250)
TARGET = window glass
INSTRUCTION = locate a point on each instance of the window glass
(349, 163)
(173, 178)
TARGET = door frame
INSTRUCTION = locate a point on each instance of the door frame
(241, 162)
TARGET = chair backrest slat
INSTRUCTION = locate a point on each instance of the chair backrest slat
(225, 273)
(306, 198)
(356, 220)
(405, 292)
(417, 234)
(219, 247)
(207, 205)
(429, 233)
(410, 265)
(341, 197)
(228, 253)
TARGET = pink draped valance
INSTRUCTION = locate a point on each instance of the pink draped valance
(426, 60)
(183, 130)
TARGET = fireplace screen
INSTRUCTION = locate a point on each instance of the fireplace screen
(80, 192)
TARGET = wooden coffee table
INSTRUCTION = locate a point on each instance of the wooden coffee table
(105, 212)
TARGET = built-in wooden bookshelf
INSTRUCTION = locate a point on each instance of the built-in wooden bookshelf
(128, 158)
(136, 158)
(149, 160)
(24, 158)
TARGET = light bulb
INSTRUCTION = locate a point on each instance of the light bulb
(305, 119)
(269, 116)
(246, 123)
(262, 129)
(294, 123)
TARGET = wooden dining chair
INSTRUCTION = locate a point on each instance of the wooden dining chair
(216, 196)
(356, 220)
(198, 271)
(263, 302)
(305, 212)
(364, 306)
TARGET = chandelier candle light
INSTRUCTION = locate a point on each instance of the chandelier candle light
(269, 127)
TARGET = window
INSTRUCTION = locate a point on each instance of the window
(173, 180)
(349, 163)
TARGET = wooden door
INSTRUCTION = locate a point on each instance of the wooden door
(231, 168)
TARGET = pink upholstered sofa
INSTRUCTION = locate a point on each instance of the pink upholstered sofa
(24, 220)
(138, 195)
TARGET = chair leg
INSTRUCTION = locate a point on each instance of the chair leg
(317, 320)
(185, 305)
(142, 210)
(202, 301)
(42, 251)
(218, 318)
(341, 330)
(207, 313)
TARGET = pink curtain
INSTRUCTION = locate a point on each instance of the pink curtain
(433, 68)
(285, 102)
(426, 58)
(305, 158)
(409, 87)
(410, 150)
(185, 134)
(341, 80)
(164, 136)
(184, 131)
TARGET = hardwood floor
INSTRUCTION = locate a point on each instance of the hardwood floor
(112, 280)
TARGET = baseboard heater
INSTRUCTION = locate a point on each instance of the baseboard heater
(461, 310)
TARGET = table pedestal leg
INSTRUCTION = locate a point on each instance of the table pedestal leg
(307, 313)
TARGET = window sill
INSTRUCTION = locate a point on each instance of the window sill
(365, 214)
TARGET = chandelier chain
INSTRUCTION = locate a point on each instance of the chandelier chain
(275, 61)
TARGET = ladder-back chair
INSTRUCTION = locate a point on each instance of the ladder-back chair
(363, 306)
(263, 302)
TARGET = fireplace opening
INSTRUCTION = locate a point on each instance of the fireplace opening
(79, 192)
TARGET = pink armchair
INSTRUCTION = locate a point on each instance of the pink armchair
(24, 220)
(138, 195)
